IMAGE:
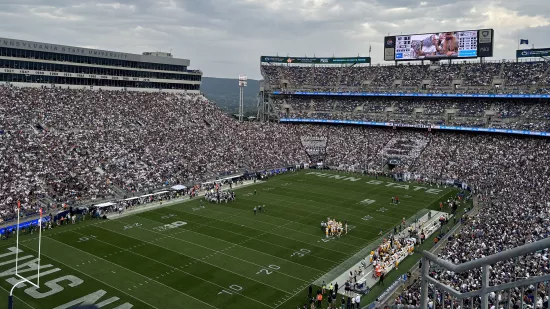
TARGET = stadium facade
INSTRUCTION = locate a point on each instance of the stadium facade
(36, 64)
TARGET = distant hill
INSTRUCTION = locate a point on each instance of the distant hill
(225, 93)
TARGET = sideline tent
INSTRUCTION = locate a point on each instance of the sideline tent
(103, 205)
(179, 187)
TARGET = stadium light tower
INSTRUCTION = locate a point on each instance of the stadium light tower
(242, 83)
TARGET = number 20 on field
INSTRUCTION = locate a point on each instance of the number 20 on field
(269, 270)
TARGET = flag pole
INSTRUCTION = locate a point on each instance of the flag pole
(17, 236)
(39, 245)
(517, 59)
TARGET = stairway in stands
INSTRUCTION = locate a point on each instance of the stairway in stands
(315, 147)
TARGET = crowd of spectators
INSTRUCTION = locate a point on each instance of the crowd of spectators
(521, 114)
(480, 74)
(69, 145)
(524, 73)
(475, 77)
(509, 173)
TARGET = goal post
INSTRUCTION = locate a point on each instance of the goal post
(23, 279)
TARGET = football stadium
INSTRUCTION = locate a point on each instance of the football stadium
(420, 183)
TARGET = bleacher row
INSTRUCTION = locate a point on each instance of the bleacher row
(465, 77)
(520, 114)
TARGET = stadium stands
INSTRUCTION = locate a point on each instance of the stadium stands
(510, 77)
(61, 146)
(495, 78)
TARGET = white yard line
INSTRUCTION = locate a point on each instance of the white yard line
(102, 282)
(248, 237)
(195, 259)
(135, 210)
(275, 225)
(175, 268)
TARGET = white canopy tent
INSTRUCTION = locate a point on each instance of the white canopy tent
(156, 193)
(220, 180)
(103, 205)
(179, 187)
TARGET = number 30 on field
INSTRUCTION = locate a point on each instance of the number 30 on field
(269, 270)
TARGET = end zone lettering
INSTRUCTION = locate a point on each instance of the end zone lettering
(404, 186)
(334, 176)
(377, 182)
(52, 286)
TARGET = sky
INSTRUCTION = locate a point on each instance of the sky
(225, 38)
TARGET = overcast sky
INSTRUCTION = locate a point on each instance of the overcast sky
(225, 38)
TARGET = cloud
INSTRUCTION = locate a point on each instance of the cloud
(226, 38)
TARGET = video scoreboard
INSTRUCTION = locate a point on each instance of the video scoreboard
(439, 45)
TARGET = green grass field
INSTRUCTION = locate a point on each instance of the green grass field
(216, 256)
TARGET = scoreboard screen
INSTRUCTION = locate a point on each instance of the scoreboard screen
(461, 44)
(439, 45)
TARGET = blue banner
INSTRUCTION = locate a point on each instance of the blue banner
(429, 95)
(23, 225)
(405, 125)
(533, 53)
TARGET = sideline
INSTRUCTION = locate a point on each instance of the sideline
(415, 270)
(184, 199)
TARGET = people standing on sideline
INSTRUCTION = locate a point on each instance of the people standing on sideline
(381, 281)
(319, 300)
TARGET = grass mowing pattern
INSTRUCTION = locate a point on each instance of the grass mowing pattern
(224, 256)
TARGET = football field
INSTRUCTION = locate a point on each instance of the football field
(216, 255)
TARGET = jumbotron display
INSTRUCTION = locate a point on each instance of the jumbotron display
(439, 45)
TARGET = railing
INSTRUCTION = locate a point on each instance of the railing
(483, 294)
(479, 299)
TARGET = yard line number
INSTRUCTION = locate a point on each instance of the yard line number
(86, 238)
(198, 208)
(131, 226)
(300, 253)
(269, 270)
(168, 216)
(232, 289)
(170, 226)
